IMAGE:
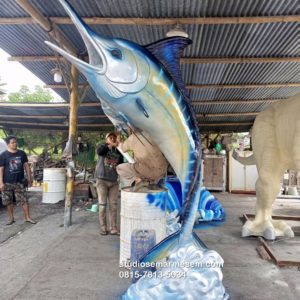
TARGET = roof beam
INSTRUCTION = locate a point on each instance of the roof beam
(51, 125)
(159, 21)
(34, 58)
(47, 25)
(50, 117)
(237, 60)
(97, 104)
(109, 124)
(104, 116)
(242, 86)
(59, 86)
(227, 114)
(226, 124)
(184, 60)
(46, 105)
(226, 102)
(212, 86)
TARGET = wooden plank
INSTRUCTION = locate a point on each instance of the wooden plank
(288, 263)
(268, 249)
(263, 253)
(276, 217)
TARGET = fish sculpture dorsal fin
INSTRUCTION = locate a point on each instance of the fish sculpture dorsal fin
(168, 52)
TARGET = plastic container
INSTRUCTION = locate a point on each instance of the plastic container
(54, 186)
(141, 211)
(141, 242)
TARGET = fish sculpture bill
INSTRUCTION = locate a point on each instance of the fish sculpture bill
(141, 88)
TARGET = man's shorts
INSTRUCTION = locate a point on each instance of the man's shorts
(14, 188)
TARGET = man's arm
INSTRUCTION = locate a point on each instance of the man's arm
(1, 178)
(102, 150)
(28, 174)
(127, 144)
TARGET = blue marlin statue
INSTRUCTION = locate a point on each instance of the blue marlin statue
(141, 88)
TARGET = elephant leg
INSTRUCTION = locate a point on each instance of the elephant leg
(267, 188)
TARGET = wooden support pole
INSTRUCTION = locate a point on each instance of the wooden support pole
(69, 151)
(47, 25)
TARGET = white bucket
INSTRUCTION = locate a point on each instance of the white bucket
(54, 186)
(138, 213)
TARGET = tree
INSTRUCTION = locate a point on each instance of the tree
(40, 95)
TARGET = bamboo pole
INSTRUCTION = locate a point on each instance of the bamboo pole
(69, 152)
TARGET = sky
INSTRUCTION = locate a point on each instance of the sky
(14, 75)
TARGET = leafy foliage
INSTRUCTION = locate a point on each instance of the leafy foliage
(40, 95)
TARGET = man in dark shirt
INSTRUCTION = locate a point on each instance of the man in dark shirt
(107, 182)
(12, 179)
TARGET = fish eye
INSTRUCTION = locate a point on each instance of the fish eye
(116, 53)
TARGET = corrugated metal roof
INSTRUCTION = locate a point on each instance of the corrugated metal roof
(274, 39)
(173, 8)
(230, 40)
(237, 94)
(287, 72)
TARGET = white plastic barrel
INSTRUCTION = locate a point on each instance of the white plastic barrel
(137, 213)
(54, 186)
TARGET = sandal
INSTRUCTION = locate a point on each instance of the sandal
(31, 221)
(10, 222)
(103, 232)
(114, 232)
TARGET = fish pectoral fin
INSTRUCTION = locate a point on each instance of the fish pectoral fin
(162, 249)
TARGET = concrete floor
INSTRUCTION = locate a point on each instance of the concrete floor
(44, 261)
